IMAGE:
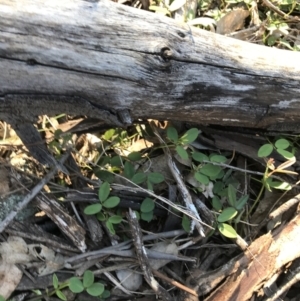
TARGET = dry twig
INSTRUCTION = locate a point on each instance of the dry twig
(31, 194)
(143, 258)
(181, 186)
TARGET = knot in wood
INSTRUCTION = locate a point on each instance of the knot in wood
(166, 53)
(31, 62)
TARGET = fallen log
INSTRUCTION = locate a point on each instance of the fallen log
(242, 276)
(118, 64)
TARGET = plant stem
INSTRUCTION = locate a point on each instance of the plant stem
(257, 199)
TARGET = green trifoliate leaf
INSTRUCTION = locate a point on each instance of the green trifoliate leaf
(60, 295)
(111, 202)
(227, 214)
(182, 152)
(190, 136)
(282, 144)
(155, 177)
(242, 202)
(104, 192)
(92, 209)
(172, 134)
(287, 155)
(265, 150)
(231, 195)
(199, 157)
(203, 179)
(186, 223)
(55, 281)
(128, 170)
(135, 156)
(139, 178)
(217, 158)
(108, 134)
(216, 202)
(115, 219)
(88, 278)
(227, 230)
(210, 170)
(147, 216)
(96, 289)
(147, 205)
(76, 285)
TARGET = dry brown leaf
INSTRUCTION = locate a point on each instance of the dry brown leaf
(139, 145)
(52, 261)
(10, 276)
(232, 21)
(13, 251)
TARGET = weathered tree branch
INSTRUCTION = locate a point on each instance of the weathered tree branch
(115, 58)
(248, 272)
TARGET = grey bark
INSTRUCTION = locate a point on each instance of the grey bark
(102, 59)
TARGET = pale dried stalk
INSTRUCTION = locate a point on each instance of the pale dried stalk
(181, 186)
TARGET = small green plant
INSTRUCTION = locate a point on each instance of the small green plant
(278, 30)
(117, 137)
(112, 164)
(124, 166)
(105, 202)
(168, 9)
(231, 213)
(58, 287)
(207, 171)
(280, 146)
(181, 143)
(140, 177)
(88, 284)
(146, 209)
(60, 141)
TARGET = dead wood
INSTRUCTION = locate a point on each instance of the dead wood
(247, 273)
(107, 61)
(118, 64)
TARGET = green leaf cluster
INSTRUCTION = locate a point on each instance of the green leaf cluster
(124, 165)
(139, 178)
(106, 202)
(280, 146)
(146, 209)
(58, 288)
(60, 141)
(117, 137)
(229, 213)
(88, 284)
(206, 172)
(182, 142)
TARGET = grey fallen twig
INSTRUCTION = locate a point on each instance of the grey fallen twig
(186, 196)
(21, 205)
(143, 258)
(66, 223)
(122, 246)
